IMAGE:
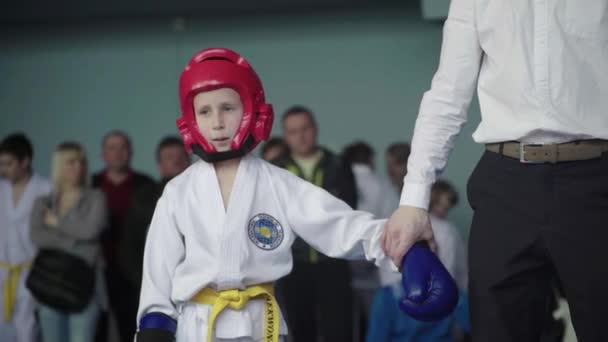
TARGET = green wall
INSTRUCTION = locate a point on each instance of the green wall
(362, 73)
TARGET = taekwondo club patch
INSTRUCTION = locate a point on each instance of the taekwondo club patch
(265, 232)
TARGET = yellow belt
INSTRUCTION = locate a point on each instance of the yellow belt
(10, 287)
(236, 300)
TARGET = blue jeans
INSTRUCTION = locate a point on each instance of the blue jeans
(59, 327)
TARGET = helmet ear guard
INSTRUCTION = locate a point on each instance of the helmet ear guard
(184, 130)
(263, 124)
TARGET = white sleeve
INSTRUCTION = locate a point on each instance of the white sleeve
(444, 108)
(329, 225)
(163, 252)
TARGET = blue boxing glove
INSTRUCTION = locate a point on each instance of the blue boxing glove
(430, 293)
(156, 327)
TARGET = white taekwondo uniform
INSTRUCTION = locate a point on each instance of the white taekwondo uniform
(195, 243)
(17, 323)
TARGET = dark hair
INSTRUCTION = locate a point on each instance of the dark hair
(400, 151)
(274, 142)
(168, 141)
(297, 110)
(17, 145)
(117, 133)
(443, 186)
(358, 152)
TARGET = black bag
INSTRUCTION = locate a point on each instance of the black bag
(61, 280)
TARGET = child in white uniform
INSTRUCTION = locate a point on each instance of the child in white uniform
(19, 188)
(222, 231)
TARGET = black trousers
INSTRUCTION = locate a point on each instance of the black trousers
(317, 300)
(533, 223)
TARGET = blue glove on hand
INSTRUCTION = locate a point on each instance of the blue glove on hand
(430, 293)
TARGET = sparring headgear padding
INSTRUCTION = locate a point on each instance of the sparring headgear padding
(216, 68)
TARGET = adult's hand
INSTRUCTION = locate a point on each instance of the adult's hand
(406, 226)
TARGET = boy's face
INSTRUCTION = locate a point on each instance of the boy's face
(218, 116)
(12, 169)
(300, 134)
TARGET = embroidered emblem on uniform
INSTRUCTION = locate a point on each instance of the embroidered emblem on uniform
(265, 232)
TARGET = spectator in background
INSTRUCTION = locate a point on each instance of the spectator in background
(316, 295)
(119, 181)
(172, 159)
(19, 187)
(451, 249)
(71, 220)
(376, 197)
(388, 323)
(373, 194)
(397, 155)
(443, 198)
(274, 149)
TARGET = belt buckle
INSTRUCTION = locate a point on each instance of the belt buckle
(522, 154)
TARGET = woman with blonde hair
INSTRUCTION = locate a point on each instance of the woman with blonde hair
(66, 226)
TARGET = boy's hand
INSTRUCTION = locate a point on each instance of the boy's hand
(406, 226)
(429, 291)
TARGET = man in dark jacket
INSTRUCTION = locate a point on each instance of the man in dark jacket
(317, 296)
(172, 159)
(118, 181)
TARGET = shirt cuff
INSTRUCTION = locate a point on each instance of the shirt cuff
(416, 195)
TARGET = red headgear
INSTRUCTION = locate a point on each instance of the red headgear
(216, 68)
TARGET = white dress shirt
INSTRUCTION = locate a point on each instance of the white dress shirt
(541, 70)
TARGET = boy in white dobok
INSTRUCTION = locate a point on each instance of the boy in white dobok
(222, 231)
